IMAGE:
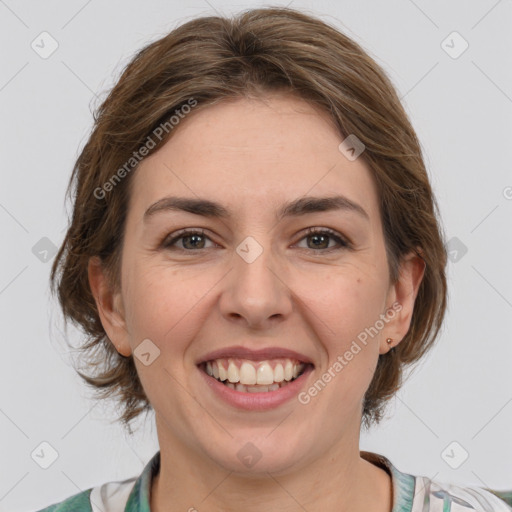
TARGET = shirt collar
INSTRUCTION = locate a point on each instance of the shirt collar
(403, 483)
(138, 501)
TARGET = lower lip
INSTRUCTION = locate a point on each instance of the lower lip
(257, 401)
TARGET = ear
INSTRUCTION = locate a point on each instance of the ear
(110, 306)
(402, 295)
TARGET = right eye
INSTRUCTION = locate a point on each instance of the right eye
(190, 240)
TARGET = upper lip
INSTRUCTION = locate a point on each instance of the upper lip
(254, 355)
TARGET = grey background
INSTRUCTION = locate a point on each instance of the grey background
(462, 111)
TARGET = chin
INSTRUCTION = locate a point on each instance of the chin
(257, 455)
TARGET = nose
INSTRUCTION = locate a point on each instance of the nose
(255, 292)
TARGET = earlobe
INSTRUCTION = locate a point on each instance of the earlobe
(404, 293)
(110, 306)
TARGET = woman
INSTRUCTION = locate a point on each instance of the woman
(255, 254)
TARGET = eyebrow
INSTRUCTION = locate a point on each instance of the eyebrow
(296, 208)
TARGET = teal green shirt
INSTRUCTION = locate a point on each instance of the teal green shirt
(410, 493)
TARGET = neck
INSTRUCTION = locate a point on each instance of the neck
(338, 481)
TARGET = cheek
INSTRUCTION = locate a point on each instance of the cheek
(344, 310)
(163, 303)
(348, 302)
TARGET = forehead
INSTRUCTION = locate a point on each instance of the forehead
(249, 153)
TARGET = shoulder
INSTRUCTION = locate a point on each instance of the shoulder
(78, 502)
(413, 493)
(458, 498)
(131, 494)
(111, 496)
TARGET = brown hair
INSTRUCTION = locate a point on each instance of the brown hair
(214, 58)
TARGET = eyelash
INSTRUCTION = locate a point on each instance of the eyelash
(343, 242)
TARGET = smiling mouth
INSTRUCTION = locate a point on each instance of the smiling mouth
(248, 376)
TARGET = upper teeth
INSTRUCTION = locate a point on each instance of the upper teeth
(250, 372)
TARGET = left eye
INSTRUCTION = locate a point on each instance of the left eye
(320, 236)
(192, 240)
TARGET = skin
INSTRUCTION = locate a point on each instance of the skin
(252, 156)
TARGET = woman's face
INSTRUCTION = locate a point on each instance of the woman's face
(253, 278)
